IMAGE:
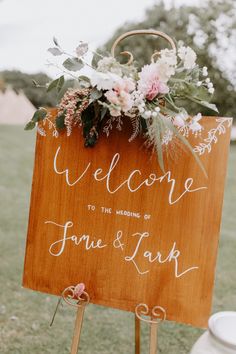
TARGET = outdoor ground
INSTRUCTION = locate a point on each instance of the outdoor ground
(25, 315)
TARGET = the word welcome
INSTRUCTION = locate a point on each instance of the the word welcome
(99, 175)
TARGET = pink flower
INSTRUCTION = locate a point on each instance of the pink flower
(79, 289)
(122, 101)
(120, 96)
(125, 84)
(149, 83)
(112, 97)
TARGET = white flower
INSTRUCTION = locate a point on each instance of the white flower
(109, 64)
(157, 109)
(208, 80)
(194, 125)
(179, 119)
(188, 56)
(147, 114)
(104, 81)
(204, 71)
(165, 71)
(199, 83)
(211, 90)
(210, 85)
(168, 56)
(141, 109)
(180, 43)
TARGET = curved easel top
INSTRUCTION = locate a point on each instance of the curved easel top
(141, 32)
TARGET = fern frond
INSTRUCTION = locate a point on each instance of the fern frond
(135, 126)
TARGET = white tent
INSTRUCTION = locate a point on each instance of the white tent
(15, 108)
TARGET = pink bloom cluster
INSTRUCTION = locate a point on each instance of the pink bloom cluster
(69, 107)
(149, 83)
(120, 96)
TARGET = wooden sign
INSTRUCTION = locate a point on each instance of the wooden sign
(110, 218)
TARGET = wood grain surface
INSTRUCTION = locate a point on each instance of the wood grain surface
(163, 253)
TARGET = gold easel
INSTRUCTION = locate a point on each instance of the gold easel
(157, 315)
(77, 297)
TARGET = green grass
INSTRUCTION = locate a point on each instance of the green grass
(25, 315)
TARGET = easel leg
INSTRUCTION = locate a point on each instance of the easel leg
(153, 338)
(77, 330)
(157, 315)
(137, 335)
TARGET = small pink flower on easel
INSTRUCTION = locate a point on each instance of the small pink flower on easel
(79, 289)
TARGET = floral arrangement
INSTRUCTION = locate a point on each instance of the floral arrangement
(113, 92)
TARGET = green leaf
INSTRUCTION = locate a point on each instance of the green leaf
(194, 73)
(95, 95)
(203, 94)
(84, 78)
(73, 64)
(82, 49)
(103, 112)
(84, 81)
(209, 105)
(87, 119)
(60, 122)
(159, 147)
(40, 114)
(57, 84)
(55, 51)
(30, 125)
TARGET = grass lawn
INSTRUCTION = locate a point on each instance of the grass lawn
(25, 315)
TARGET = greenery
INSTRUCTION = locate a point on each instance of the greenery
(115, 91)
(209, 30)
(25, 315)
(196, 26)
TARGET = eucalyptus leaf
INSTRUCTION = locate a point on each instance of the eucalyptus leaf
(30, 125)
(60, 121)
(84, 81)
(57, 84)
(82, 49)
(73, 64)
(84, 78)
(55, 51)
(95, 95)
(40, 114)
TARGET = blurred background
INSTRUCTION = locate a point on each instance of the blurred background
(26, 31)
